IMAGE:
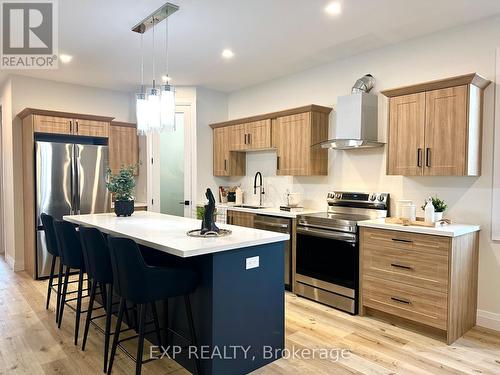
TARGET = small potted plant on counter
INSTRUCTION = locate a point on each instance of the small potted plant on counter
(122, 187)
(439, 207)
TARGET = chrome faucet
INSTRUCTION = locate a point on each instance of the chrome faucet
(260, 186)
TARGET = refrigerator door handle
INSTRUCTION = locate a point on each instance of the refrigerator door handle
(77, 179)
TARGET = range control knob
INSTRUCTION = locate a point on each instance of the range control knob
(381, 198)
(373, 197)
(338, 195)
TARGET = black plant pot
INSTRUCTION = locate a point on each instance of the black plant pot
(124, 208)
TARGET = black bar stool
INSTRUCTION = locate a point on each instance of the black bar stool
(53, 249)
(99, 270)
(142, 284)
(72, 258)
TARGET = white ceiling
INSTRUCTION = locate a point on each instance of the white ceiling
(270, 38)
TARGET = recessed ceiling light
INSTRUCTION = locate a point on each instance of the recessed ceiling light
(65, 59)
(166, 79)
(227, 53)
(334, 8)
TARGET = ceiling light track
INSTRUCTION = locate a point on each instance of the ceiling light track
(155, 18)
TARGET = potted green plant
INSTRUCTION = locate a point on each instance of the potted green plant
(122, 187)
(439, 207)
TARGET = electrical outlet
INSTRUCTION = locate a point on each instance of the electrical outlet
(252, 262)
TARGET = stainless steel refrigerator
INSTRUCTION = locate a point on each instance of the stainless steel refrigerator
(70, 179)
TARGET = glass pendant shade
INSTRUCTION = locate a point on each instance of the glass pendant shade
(141, 108)
(154, 111)
(167, 108)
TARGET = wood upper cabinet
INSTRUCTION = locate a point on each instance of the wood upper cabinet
(225, 162)
(91, 128)
(406, 134)
(435, 128)
(294, 133)
(296, 138)
(254, 135)
(51, 124)
(123, 145)
(258, 134)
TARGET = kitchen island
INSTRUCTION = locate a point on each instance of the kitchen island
(239, 305)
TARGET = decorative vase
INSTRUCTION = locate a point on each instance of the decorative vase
(124, 208)
(438, 216)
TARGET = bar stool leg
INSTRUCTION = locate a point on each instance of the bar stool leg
(59, 286)
(51, 278)
(107, 329)
(79, 304)
(89, 314)
(192, 332)
(63, 296)
(140, 343)
(156, 323)
(117, 334)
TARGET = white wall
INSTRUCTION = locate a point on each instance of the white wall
(211, 106)
(36, 93)
(462, 50)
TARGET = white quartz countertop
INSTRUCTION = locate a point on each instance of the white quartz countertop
(168, 233)
(270, 211)
(450, 230)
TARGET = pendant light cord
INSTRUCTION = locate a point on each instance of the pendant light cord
(142, 63)
(166, 50)
(154, 26)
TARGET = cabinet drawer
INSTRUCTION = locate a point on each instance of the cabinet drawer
(422, 269)
(391, 239)
(410, 302)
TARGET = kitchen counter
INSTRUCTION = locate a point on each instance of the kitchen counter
(270, 211)
(240, 299)
(450, 230)
(167, 233)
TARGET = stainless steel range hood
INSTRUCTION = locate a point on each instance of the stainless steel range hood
(357, 118)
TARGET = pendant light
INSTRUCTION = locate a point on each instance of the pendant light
(154, 104)
(141, 100)
(155, 111)
(167, 101)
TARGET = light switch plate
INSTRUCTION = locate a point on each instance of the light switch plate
(252, 262)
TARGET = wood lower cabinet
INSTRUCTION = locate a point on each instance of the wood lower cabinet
(435, 128)
(425, 279)
(243, 219)
(294, 133)
(123, 145)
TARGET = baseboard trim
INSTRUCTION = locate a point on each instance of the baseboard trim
(488, 319)
(15, 266)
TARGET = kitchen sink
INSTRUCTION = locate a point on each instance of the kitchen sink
(249, 206)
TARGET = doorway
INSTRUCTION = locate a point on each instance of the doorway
(172, 171)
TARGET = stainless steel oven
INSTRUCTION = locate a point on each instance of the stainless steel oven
(327, 254)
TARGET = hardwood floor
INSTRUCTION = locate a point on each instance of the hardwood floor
(30, 342)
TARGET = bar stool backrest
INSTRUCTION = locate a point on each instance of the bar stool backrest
(50, 235)
(128, 268)
(96, 255)
(69, 244)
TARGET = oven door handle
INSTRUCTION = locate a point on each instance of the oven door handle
(345, 237)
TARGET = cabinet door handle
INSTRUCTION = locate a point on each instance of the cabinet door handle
(419, 157)
(225, 164)
(401, 300)
(71, 126)
(246, 135)
(400, 240)
(278, 163)
(249, 138)
(401, 266)
(428, 157)
(76, 122)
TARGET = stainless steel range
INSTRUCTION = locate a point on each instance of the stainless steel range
(327, 258)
